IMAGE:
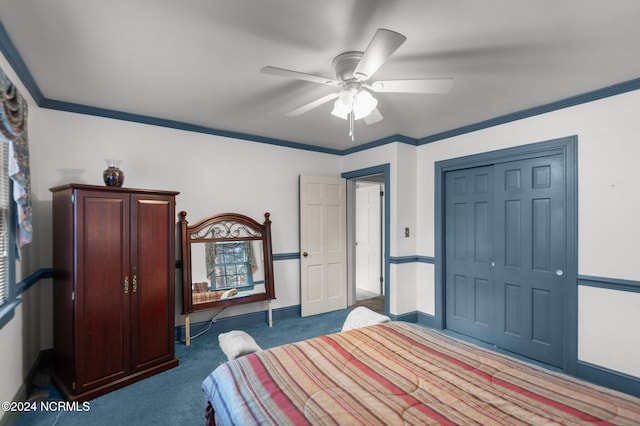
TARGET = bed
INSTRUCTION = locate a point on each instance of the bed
(400, 373)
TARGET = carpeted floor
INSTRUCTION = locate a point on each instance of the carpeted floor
(174, 397)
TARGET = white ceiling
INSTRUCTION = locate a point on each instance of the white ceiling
(198, 61)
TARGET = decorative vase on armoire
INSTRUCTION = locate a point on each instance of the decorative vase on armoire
(113, 175)
(114, 287)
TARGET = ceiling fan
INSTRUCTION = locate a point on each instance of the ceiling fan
(353, 71)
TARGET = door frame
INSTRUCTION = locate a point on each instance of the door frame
(352, 176)
(566, 146)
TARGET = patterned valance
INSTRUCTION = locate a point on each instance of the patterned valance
(13, 126)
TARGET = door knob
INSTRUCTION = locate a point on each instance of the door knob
(305, 254)
(559, 272)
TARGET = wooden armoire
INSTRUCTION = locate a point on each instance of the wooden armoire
(113, 287)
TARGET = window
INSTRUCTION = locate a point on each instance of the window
(15, 192)
(8, 299)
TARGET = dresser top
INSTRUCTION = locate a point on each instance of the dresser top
(81, 186)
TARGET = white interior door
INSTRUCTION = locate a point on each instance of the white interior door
(323, 252)
(368, 238)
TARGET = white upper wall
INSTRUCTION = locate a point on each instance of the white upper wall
(608, 132)
(213, 175)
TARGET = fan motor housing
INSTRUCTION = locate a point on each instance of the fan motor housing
(345, 63)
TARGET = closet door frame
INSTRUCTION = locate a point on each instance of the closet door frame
(567, 147)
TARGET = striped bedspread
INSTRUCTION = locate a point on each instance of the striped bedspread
(399, 373)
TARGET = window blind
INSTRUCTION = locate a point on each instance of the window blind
(4, 219)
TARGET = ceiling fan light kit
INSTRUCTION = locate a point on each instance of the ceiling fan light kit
(352, 70)
(354, 100)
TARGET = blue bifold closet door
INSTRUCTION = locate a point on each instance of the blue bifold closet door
(505, 255)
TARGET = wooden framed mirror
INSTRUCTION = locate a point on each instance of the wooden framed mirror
(226, 261)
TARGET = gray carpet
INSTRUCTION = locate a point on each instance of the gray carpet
(174, 397)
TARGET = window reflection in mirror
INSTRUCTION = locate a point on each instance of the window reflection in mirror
(225, 269)
(231, 265)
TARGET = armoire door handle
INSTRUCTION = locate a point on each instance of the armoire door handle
(135, 283)
(126, 285)
(305, 254)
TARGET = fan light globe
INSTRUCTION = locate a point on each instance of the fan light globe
(364, 105)
(341, 110)
(361, 105)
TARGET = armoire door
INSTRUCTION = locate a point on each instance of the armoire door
(506, 255)
(152, 279)
(101, 295)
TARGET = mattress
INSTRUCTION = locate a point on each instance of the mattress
(400, 373)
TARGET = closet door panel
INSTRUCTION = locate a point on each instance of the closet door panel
(530, 257)
(469, 252)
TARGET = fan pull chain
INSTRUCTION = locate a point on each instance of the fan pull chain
(352, 129)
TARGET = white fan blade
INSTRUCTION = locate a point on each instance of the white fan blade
(312, 105)
(424, 85)
(382, 45)
(281, 72)
(373, 118)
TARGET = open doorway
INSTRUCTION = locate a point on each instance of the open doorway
(380, 174)
(368, 265)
